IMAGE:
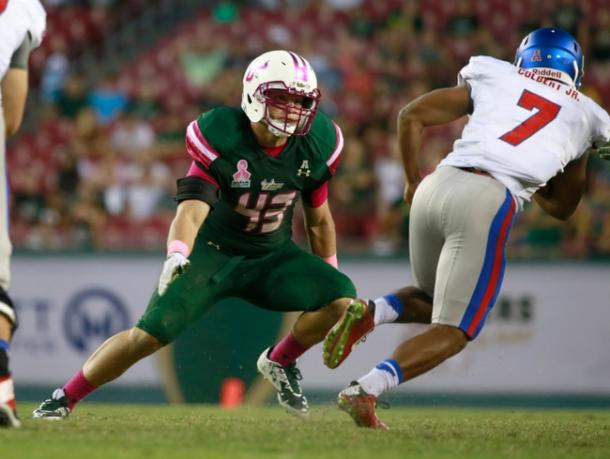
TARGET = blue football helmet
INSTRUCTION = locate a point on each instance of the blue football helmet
(552, 50)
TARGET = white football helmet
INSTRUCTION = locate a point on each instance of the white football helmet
(280, 71)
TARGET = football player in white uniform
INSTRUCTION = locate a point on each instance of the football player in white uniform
(22, 23)
(528, 135)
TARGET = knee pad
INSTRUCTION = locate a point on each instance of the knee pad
(7, 309)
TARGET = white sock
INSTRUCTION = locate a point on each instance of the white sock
(384, 376)
(387, 309)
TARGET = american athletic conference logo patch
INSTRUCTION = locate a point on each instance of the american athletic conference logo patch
(241, 178)
(537, 56)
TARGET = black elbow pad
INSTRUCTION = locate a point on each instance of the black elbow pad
(196, 188)
(19, 59)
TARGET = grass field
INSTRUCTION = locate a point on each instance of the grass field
(189, 431)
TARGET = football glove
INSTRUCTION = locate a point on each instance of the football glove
(175, 265)
(602, 150)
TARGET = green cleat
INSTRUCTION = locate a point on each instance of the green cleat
(286, 382)
(355, 324)
(54, 408)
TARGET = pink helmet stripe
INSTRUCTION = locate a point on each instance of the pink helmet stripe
(300, 66)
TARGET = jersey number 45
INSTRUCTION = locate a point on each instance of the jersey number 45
(265, 211)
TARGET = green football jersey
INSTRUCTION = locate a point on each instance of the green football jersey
(257, 191)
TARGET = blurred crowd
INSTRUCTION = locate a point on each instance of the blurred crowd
(98, 170)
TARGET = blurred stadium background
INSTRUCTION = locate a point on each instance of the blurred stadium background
(93, 174)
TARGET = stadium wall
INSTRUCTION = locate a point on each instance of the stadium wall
(546, 339)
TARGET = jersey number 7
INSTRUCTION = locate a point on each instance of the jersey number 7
(547, 112)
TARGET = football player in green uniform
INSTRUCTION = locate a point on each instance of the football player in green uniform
(231, 236)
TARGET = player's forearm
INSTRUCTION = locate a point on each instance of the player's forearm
(320, 229)
(553, 208)
(322, 238)
(410, 135)
(556, 206)
(14, 94)
(560, 197)
(437, 107)
(189, 218)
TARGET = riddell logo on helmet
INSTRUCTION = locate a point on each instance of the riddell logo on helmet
(547, 73)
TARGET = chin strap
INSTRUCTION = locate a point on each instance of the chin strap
(276, 132)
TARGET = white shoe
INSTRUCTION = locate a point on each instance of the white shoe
(286, 382)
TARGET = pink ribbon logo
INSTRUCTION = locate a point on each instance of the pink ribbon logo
(242, 173)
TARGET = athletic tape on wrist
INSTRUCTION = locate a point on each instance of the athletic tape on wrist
(332, 261)
(178, 246)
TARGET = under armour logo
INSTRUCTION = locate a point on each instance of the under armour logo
(304, 171)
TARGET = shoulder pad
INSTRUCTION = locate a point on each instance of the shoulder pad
(328, 139)
(37, 20)
(481, 67)
(197, 146)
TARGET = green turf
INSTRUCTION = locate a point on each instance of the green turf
(189, 431)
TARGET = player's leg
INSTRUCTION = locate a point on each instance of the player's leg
(296, 280)
(8, 405)
(186, 299)
(406, 305)
(8, 319)
(109, 361)
(409, 304)
(312, 326)
(301, 281)
(469, 276)
(413, 304)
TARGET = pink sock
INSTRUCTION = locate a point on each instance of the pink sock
(287, 350)
(77, 388)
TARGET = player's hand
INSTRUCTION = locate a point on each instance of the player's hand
(604, 152)
(410, 190)
(174, 266)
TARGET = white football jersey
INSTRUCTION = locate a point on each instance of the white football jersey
(524, 128)
(18, 18)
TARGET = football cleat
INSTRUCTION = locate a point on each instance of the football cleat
(8, 416)
(286, 382)
(360, 406)
(54, 408)
(355, 324)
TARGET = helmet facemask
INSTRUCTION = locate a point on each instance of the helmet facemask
(296, 118)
